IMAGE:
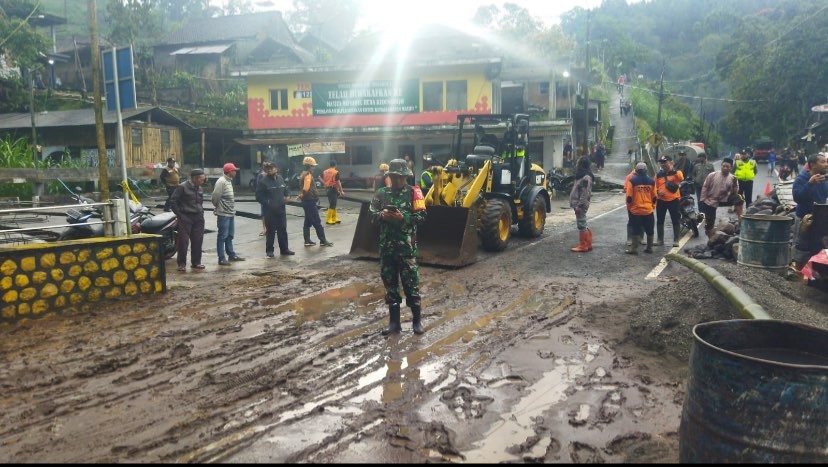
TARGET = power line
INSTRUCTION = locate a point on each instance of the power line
(722, 99)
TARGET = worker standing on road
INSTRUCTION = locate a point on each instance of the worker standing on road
(701, 169)
(399, 209)
(310, 199)
(579, 199)
(641, 201)
(667, 190)
(719, 189)
(224, 201)
(187, 202)
(745, 171)
(330, 178)
(809, 187)
(171, 178)
(272, 193)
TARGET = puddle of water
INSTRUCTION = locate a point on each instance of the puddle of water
(356, 297)
(517, 425)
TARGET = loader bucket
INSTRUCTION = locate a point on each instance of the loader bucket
(366, 235)
(448, 237)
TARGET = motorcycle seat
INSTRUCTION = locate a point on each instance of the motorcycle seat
(157, 222)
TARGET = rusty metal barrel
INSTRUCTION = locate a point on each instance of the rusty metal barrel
(757, 393)
(765, 241)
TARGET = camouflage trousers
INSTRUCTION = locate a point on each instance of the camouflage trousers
(394, 268)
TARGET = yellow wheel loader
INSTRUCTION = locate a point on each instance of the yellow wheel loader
(489, 185)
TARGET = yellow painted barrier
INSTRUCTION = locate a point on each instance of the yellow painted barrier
(46, 278)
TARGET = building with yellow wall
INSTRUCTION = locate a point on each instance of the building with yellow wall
(379, 99)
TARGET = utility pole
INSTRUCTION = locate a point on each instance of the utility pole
(103, 161)
(586, 93)
(660, 99)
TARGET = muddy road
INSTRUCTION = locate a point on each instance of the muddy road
(533, 354)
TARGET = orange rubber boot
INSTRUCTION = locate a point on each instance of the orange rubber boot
(583, 247)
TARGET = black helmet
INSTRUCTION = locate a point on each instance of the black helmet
(399, 167)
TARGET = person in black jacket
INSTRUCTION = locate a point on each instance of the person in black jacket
(272, 193)
(187, 202)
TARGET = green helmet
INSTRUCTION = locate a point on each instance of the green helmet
(399, 167)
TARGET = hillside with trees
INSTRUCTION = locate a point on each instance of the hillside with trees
(742, 69)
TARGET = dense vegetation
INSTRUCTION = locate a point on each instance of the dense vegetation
(742, 69)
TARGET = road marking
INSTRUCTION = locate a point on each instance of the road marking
(663, 263)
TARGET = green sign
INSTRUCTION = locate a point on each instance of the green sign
(372, 97)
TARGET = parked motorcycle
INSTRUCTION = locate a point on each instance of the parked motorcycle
(690, 219)
(558, 182)
(85, 221)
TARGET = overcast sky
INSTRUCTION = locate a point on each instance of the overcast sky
(379, 12)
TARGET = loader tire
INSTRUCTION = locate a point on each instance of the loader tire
(496, 225)
(532, 225)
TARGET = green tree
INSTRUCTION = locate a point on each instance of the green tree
(332, 20)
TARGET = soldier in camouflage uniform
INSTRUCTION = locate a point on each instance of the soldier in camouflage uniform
(399, 209)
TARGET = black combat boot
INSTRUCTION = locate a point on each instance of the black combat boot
(306, 234)
(416, 322)
(394, 326)
(320, 232)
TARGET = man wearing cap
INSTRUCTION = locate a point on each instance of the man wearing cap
(667, 182)
(744, 169)
(187, 202)
(683, 164)
(719, 189)
(272, 193)
(224, 201)
(399, 209)
(641, 201)
(310, 204)
(810, 187)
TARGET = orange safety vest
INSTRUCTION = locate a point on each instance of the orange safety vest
(329, 177)
(661, 185)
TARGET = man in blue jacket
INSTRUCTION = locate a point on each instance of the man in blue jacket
(809, 187)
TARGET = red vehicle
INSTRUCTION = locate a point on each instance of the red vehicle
(761, 148)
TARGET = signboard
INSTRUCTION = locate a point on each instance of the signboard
(126, 78)
(309, 149)
(371, 97)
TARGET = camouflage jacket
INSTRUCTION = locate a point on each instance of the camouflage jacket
(399, 238)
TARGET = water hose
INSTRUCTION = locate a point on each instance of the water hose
(737, 297)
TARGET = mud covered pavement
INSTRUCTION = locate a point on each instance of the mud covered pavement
(531, 354)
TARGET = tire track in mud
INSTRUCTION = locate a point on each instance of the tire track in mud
(253, 370)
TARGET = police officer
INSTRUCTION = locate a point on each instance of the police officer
(426, 179)
(272, 193)
(744, 169)
(399, 209)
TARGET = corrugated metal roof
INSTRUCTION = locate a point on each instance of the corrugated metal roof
(223, 28)
(202, 50)
(76, 118)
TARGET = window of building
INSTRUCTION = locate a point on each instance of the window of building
(433, 96)
(165, 138)
(278, 99)
(137, 136)
(456, 95)
(544, 88)
(362, 155)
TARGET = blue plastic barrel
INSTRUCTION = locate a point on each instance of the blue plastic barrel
(757, 393)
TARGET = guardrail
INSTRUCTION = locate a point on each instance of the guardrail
(12, 233)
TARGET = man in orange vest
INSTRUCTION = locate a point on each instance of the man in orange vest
(330, 178)
(667, 182)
